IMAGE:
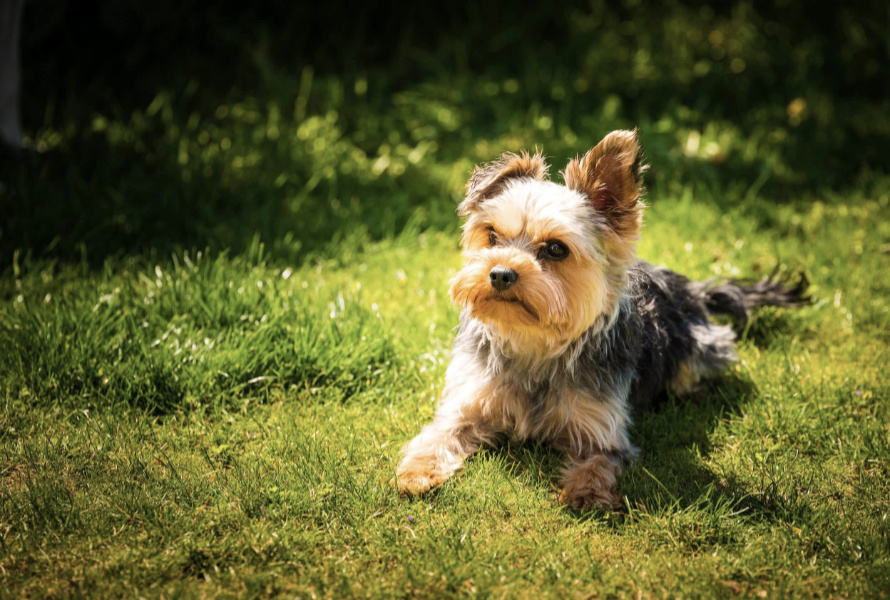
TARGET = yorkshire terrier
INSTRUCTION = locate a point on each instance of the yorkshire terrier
(563, 331)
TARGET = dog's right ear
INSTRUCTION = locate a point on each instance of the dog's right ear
(489, 180)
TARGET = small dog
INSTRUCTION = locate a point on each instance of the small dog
(563, 330)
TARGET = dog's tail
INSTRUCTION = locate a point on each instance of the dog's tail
(736, 297)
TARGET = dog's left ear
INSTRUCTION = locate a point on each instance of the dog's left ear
(489, 180)
(611, 175)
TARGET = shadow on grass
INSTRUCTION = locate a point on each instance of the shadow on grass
(668, 477)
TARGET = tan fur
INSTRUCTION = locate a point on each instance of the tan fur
(696, 367)
(610, 175)
(488, 181)
(591, 482)
(686, 380)
(542, 315)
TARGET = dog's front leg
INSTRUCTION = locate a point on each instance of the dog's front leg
(466, 419)
(596, 443)
(435, 455)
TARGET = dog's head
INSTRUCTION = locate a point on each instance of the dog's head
(545, 262)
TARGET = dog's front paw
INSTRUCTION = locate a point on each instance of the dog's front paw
(592, 482)
(583, 500)
(430, 459)
(417, 481)
(419, 474)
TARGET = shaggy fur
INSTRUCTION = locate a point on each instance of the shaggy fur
(563, 331)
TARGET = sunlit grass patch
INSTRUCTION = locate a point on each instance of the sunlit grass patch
(267, 470)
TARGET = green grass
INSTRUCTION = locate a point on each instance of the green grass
(223, 312)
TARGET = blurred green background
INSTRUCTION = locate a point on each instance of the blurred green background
(165, 125)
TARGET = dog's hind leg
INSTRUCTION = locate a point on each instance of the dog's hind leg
(713, 351)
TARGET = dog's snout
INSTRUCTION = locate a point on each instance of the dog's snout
(502, 277)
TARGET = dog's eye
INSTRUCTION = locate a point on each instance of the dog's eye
(555, 251)
(492, 238)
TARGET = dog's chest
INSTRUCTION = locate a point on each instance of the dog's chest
(548, 410)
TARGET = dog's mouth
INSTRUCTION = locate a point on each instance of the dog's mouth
(518, 301)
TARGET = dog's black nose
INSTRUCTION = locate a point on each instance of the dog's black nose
(502, 277)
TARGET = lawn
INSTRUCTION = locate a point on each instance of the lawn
(224, 308)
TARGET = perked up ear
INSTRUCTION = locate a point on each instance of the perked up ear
(489, 180)
(611, 175)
